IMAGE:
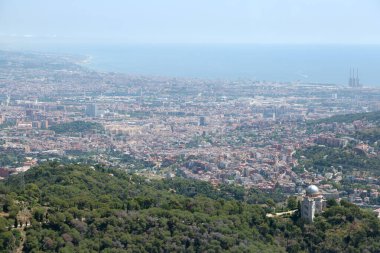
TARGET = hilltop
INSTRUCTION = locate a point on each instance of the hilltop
(74, 208)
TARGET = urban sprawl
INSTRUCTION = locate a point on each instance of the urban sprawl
(244, 132)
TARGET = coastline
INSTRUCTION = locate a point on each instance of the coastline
(309, 63)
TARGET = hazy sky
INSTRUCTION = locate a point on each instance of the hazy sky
(200, 21)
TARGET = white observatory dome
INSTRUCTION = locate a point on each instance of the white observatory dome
(312, 190)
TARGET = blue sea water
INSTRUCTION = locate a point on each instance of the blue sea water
(309, 63)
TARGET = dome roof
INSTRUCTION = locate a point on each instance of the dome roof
(312, 190)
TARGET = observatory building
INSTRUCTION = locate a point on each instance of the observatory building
(312, 203)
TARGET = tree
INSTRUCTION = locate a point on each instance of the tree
(331, 202)
(292, 203)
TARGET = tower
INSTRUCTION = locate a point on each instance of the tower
(357, 83)
(350, 81)
(312, 203)
(354, 81)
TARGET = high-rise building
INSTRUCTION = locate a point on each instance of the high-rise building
(45, 124)
(92, 110)
(354, 81)
(30, 114)
(36, 124)
(202, 121)
(350, 80)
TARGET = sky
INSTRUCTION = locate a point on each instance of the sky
(191, 21)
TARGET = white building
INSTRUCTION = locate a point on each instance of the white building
(312, 203)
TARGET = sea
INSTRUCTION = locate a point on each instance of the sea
(279, 63)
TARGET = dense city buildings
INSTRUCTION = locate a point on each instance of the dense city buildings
(244, 132)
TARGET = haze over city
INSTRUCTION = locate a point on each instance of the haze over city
(190, 126)
(171, 21)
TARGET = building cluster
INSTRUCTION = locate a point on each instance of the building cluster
(243, 132)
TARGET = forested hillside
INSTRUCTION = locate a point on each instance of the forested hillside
(348, 118)
(74, 208)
